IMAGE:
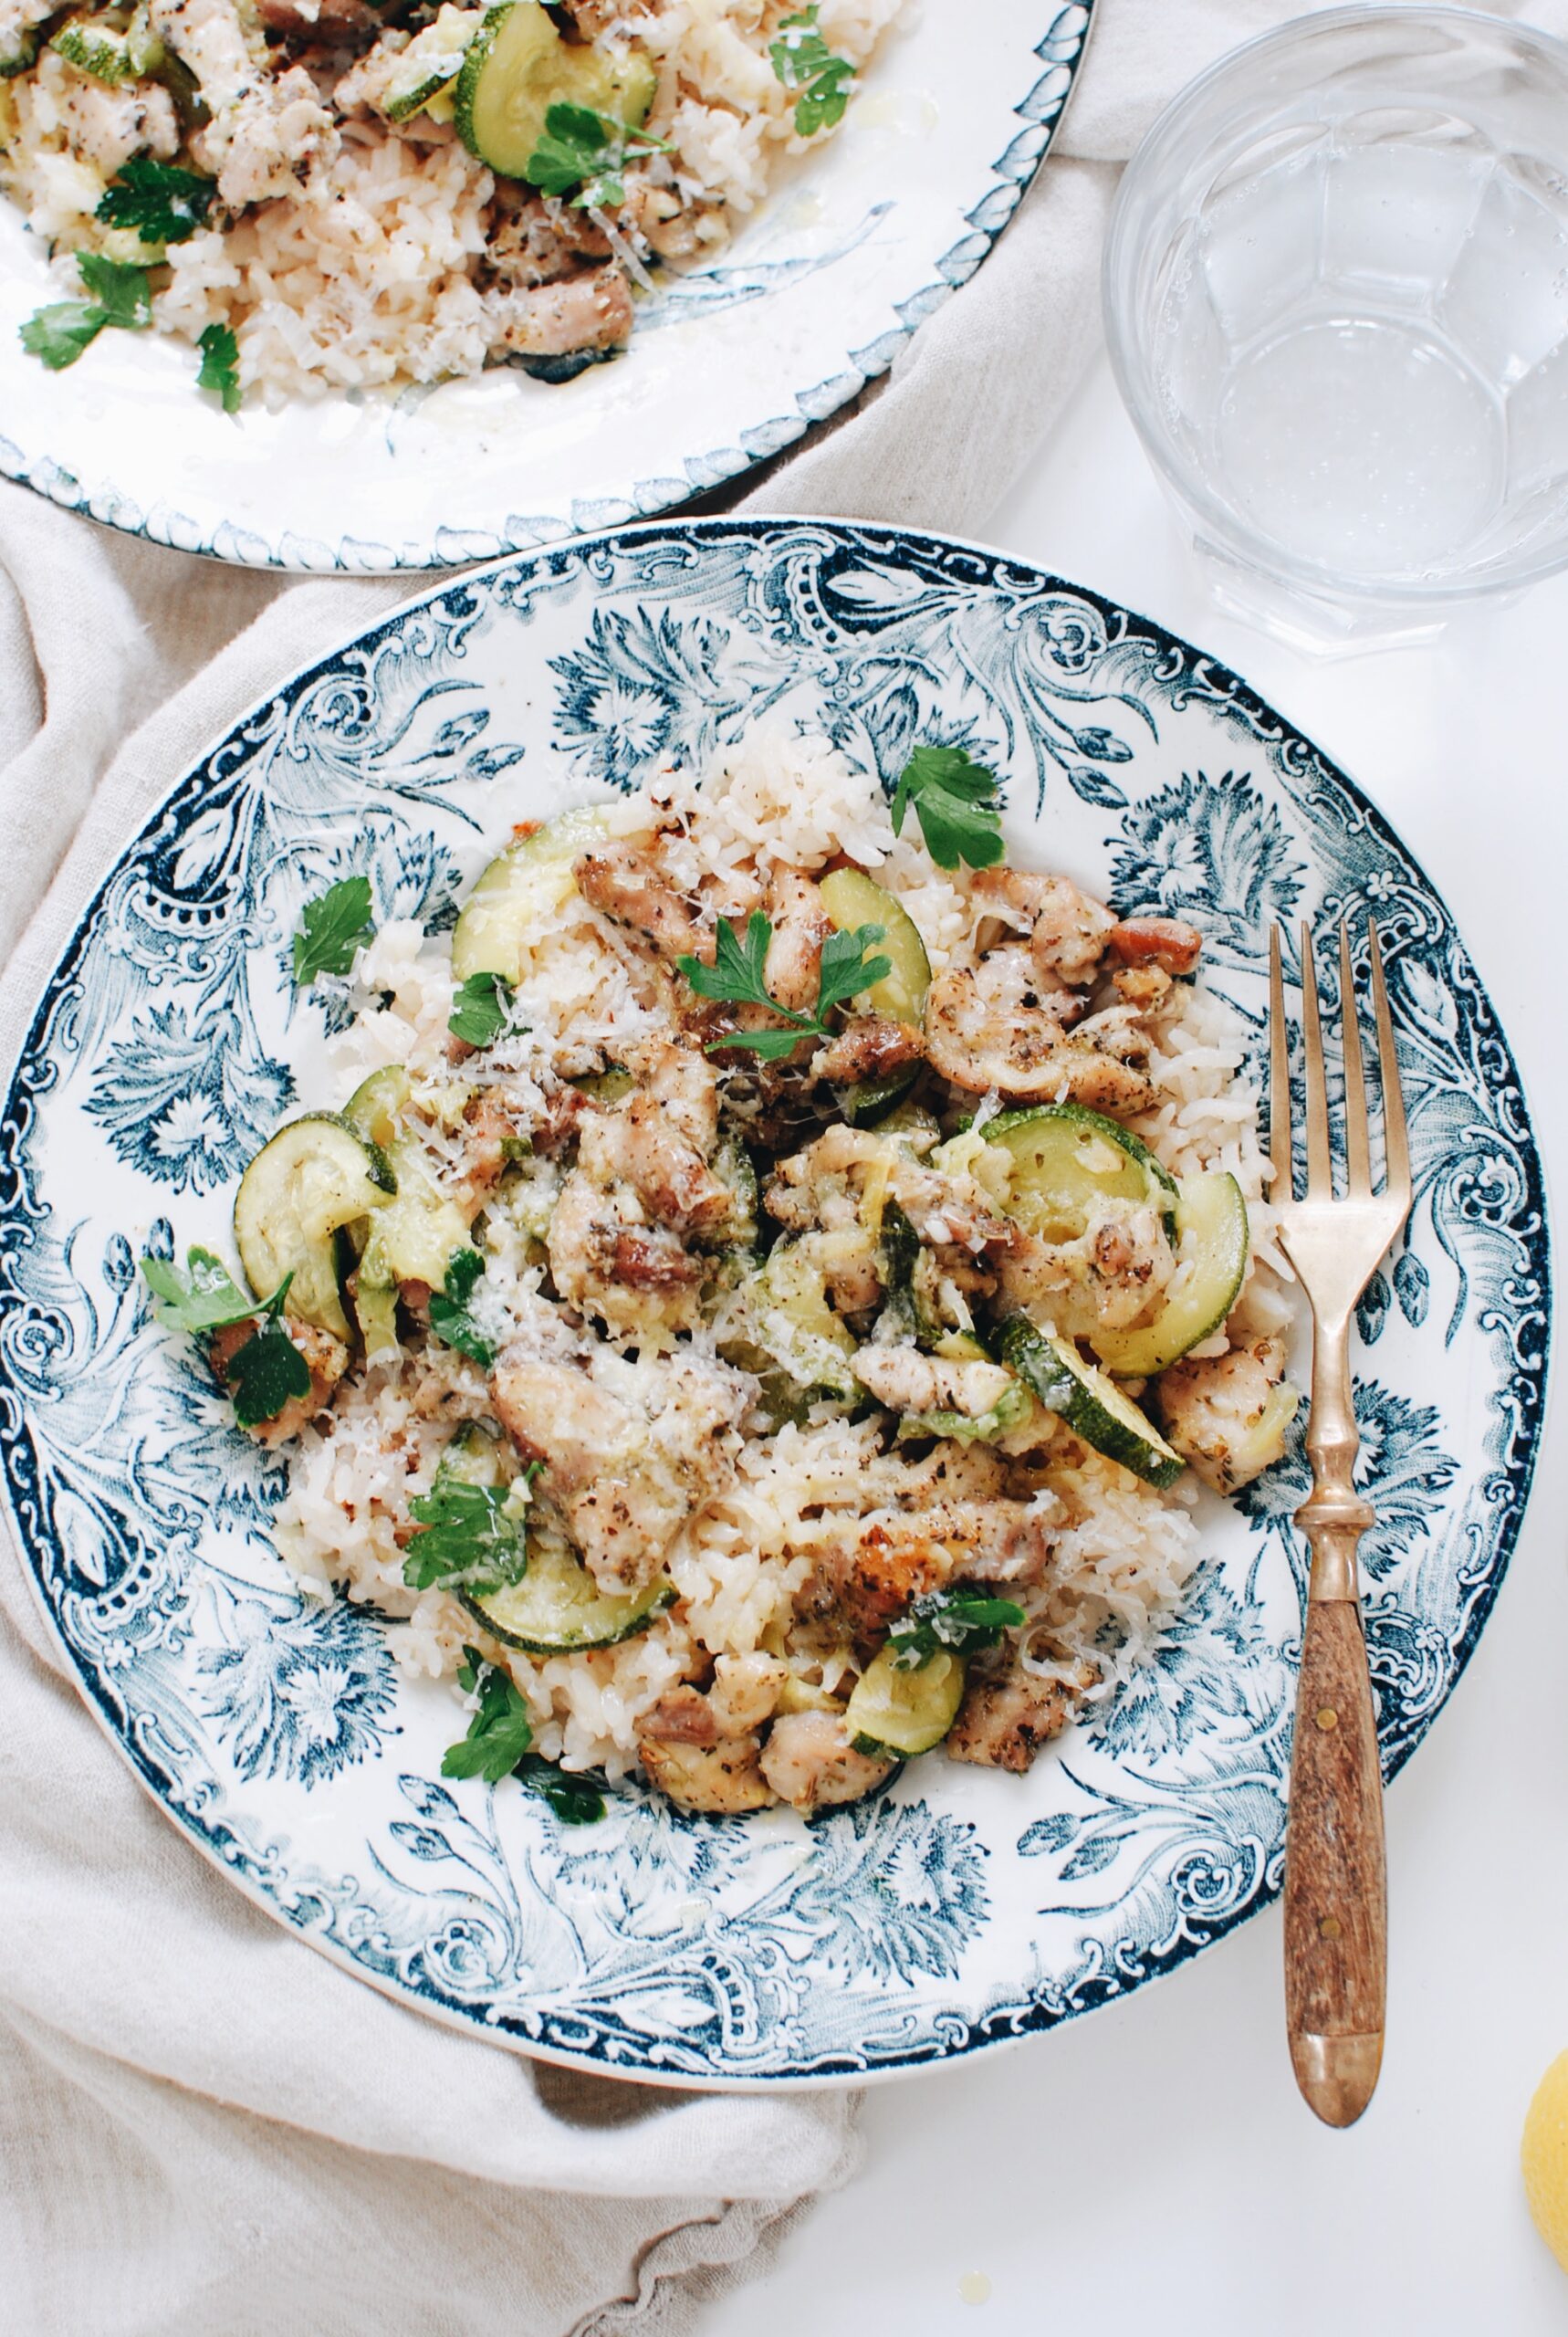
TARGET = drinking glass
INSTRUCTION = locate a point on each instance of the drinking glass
(1336, 298)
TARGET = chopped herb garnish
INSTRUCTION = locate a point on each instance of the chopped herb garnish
(123, 292)
(472, 1537)
(738, 977)
(204, 1296)
(499, 1733)
(590, 152)
(220, 365)
(123, 295)
(331, 929)
(955, 800)
(960, 1621)
(803, 60)
(267, 1372)
(449, 1316)
(58, 335)
(576, 1796)
(481, 1010)
(157, 201)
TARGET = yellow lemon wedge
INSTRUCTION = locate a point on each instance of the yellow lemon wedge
(1543, 2158)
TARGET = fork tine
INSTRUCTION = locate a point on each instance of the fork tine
(1278, 1078)
(1320, 1170)
(1357, 1152)
(1396, 1146)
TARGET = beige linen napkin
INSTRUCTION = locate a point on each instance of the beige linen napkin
(205, 2128)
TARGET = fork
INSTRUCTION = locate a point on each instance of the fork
(1336, 1914)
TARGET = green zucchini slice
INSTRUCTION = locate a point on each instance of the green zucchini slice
(529, 881)
(559, 1609)
(317, 1173)
(782, 1323)
(1211, 1241)
(419, 1232)
(518, 67)
(1066, 1158)
(1093, 1406)
(431, 62)
(852, 900)
(896, 1714)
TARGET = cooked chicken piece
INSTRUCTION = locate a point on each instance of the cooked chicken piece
(529, 241)
(792, 970)
(745, 1690)
(944, 1209)
(589, 311)
(907, 1381)
(1067, 930)
(326, 1358)
(1167, 942)
(867, 1580)
(888, 1559)
(870, 1047)
(682, 1083)
(267, 129)
(622, 1481)
(311, 19)
(1145, 987)
(208, 36)
(624, 883)
(642, 1145)
(743, 1697)
(682, 1716)
(104, 126)
(607, 1261)
(490, 1126)
(996, 1028)
(1228, 1414)
(1114, 1275)
(1007, 1714)
(564, 1109)
(810, 1762)
(723, 1779)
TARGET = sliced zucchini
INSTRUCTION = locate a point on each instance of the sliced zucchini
(99, 51)
(317, 1173)
(1091, 1406)
(732, 1167)
(1012, 1408)
(606, 1086)
(896, 1714)
(431, 62)
(557, 1608)
(518, 67)
(1211, 1243)
(782, 1322)
(419, 1232)
(529, 881)
(1066, 1158)
(852, 900)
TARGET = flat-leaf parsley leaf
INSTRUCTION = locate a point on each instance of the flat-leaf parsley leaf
(576, 1796)
(204, 1296)
(481, 1010)
(331, 929)
(123, 295)
(266, 1374)
(582, 149)
(220, 365)
(471, 1537)
(499, 1733)
(449, 1316)
(803, 60)
(738, 977)
(955, 800)
(157, 201)
(960, 1621)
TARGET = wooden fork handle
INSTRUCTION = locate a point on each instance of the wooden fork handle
(1336, 1902)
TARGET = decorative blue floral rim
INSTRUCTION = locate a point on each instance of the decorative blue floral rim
(1059, 52)
(958, 1908)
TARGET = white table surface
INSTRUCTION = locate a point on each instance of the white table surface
(1151, 2168)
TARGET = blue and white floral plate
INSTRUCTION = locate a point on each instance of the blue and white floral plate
(730, 364)
(960, 1907)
